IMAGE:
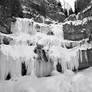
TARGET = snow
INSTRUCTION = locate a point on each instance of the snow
(78, 22)
(18, 51)
(67, 82)
(86, 9)
(57, 29)
(50, 41)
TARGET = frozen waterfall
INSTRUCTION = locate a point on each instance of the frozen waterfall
(27, 36)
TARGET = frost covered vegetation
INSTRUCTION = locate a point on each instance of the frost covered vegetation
(40, 54)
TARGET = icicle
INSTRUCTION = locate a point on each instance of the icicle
(33, 75)
(71, 59)
(4, 68)
(64, 66)
(76, 61)
(55, 63)
(80, 55)
(86, 57)
(70, 64)
(29, 66)
(16, 55)
(15, 68)
(67, 3)
(22, 26)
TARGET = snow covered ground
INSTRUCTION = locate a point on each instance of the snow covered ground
(65, 82)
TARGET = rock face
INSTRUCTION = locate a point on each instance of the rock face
(8, 9)
(52, 10)
(30, 9)
(57, 17)
(85, 13)
(5, 25)
(78, 30)
(78, 27)
(46, 8)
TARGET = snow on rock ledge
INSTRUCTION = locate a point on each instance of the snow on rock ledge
(82, 28)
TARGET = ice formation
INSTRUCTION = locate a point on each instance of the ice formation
(11, 58)
(25, 38)
(67, 58)
(22, 25)
(57, 29)
(67, 4)
(18, 51)
(67, 82)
